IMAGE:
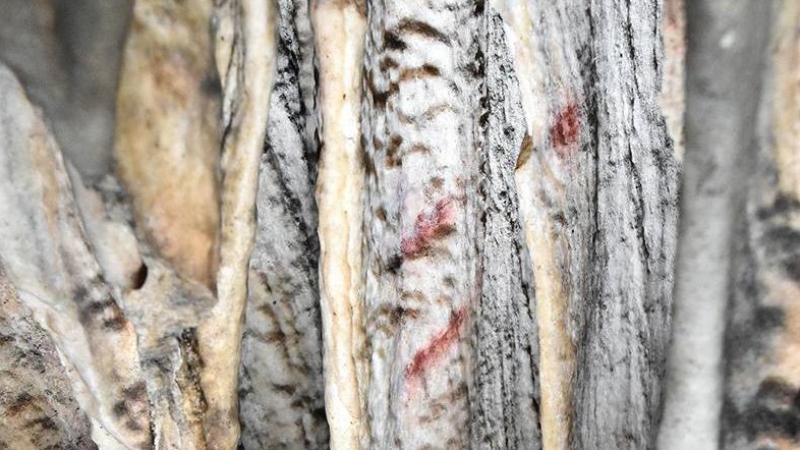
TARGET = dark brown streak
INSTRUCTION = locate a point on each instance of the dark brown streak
(413, 26)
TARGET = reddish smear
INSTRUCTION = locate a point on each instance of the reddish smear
(673, 7)
(437, 348)
(430, 227)
(565, 129)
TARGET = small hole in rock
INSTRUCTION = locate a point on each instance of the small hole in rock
(140, 277)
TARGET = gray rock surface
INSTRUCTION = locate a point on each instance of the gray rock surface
(281, 392)
(724, 75)
(504, 388)
(67, 54)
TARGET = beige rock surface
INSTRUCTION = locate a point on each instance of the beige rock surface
(244, 45)
(46, 256)
(339, 28)
(168, 132)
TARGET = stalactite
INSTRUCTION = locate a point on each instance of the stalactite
(598, 187)
(622, 349)
(504, 388)
(339, 28)
(245, 52)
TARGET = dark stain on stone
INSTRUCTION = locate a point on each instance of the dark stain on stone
(210, 86)
(45, 423)
(119, 409)
(137, 392)
(783, 204)
(115, 323)
(392, 41)
(19, 404)
(140, 277)
(565, 129)
(773, 411)
(768, 318)
(394, 263)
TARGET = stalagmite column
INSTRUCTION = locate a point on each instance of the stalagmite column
(245, 52)
(761, 406)
(598, 189)
(424, 64)
(339, 28)
(724, 70)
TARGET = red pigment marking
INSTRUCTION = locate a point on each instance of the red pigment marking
(565, 130)
(672, 6)
(430, 227)
(437, 348)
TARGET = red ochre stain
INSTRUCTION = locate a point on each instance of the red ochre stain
(437, 347)
(565, 129)
(430, 226)
(673, 8)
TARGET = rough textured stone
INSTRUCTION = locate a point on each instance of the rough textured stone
(281, 384)
(598, 188)
(37, 407)
(46, 256)
(504, 388)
